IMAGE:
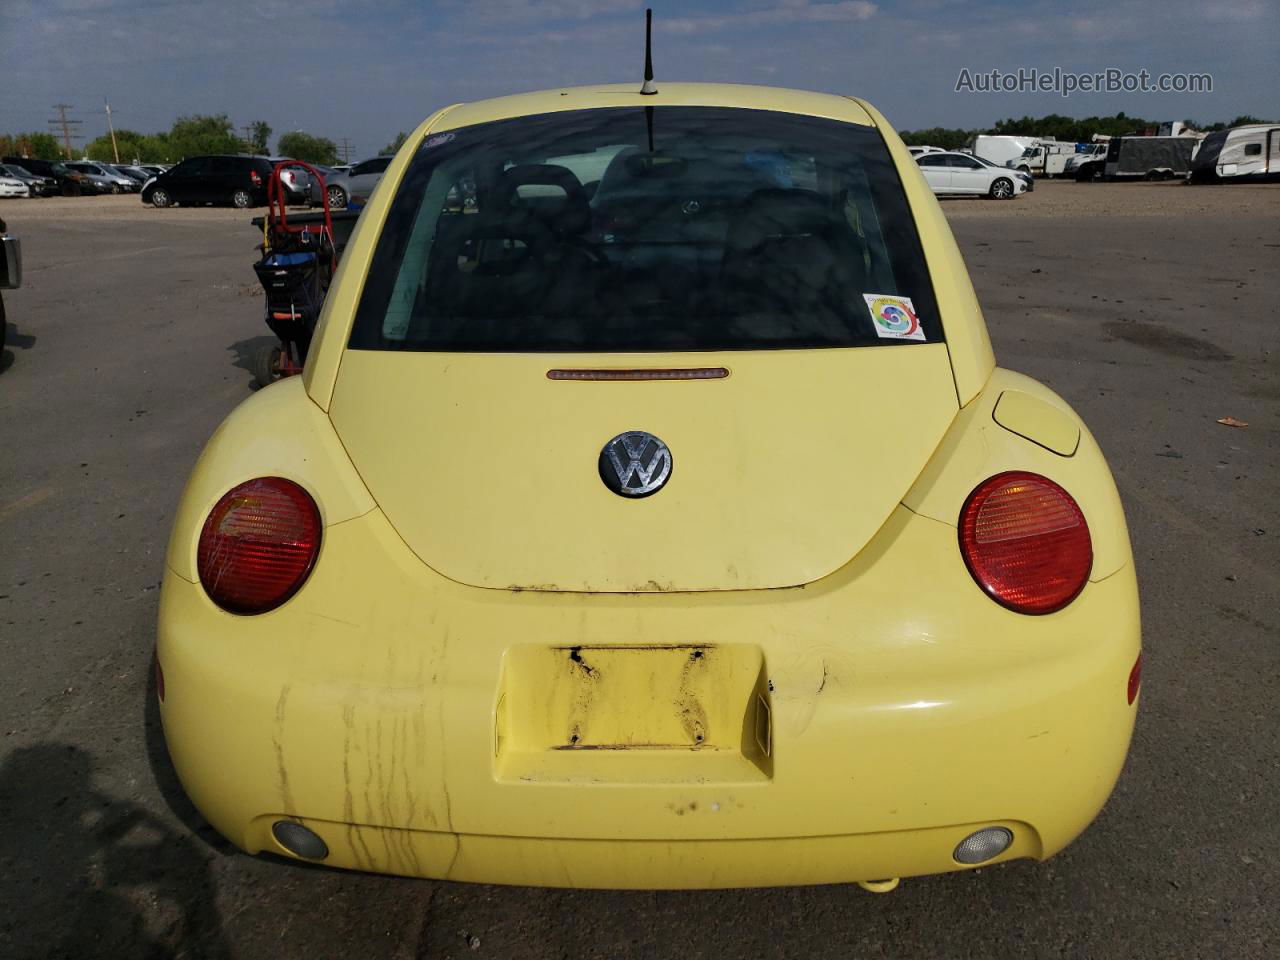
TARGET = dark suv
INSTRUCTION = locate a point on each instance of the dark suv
(238, 180)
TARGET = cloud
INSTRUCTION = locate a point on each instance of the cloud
(1237, 11)
(786, 12)
(382, 65)
(536, 11)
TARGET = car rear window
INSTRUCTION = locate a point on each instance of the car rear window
(648, 229)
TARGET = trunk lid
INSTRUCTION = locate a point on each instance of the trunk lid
(781, 472)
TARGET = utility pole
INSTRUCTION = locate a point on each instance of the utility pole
(115, 150)
(248, 139)
(347, 148)
(66, 125)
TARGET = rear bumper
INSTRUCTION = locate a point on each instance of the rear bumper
(903, 710)
(644, 864)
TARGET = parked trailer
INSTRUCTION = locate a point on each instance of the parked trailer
(1248, 153)
(1141, 158)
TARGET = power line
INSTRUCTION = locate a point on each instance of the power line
(61, 121)
(347, 148)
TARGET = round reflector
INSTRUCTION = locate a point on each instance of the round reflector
(258, 545)
(982, 846)
(299, 840)
(1025, 542)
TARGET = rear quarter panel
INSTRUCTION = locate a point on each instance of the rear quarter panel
(277, 432)
(978, 447)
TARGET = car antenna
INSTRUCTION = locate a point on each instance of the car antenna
(649, 88)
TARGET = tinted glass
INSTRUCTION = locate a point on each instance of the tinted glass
(932, 160)
(371, 166)
(737, 229)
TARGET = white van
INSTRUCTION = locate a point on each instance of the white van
(1000, 149)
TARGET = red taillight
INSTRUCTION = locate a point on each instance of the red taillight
(1135, 680)
(253, 176)
(1026, 542)
(258, 545)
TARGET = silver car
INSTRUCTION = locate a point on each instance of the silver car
(295, 181)
(104, 178)
(356, 185)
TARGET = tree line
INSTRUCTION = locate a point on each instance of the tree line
(188, 137)
(195, 135)
(1056, 127)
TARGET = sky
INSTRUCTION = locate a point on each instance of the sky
(365, 69)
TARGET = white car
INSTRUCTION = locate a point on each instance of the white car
(961, 174)
(13, 187)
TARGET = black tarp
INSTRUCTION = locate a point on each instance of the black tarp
(1210, 149)
(1138, 155)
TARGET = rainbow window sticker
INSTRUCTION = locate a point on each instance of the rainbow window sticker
(893, 317)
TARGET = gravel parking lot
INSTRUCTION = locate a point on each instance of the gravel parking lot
(1151, 308)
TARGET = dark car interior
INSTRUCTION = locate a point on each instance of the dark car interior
(702, 243)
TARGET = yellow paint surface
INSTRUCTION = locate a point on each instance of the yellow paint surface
(853, 722)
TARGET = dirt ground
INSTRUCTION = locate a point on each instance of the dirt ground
(1151, 308)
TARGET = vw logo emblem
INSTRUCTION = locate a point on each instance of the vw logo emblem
(635, 464)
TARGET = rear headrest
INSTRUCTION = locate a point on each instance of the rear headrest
(776, 214)
(570, 214)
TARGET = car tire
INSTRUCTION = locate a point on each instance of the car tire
(1001, 189)
(337, 197)
(242, 199)
(160, 197)
(266, 365)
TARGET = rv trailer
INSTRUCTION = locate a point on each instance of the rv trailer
(1241, 154)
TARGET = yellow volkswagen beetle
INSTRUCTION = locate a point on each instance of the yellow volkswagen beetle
(651, 513)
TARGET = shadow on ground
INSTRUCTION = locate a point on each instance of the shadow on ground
(12, 339)
(246, 353)
(130, 886)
